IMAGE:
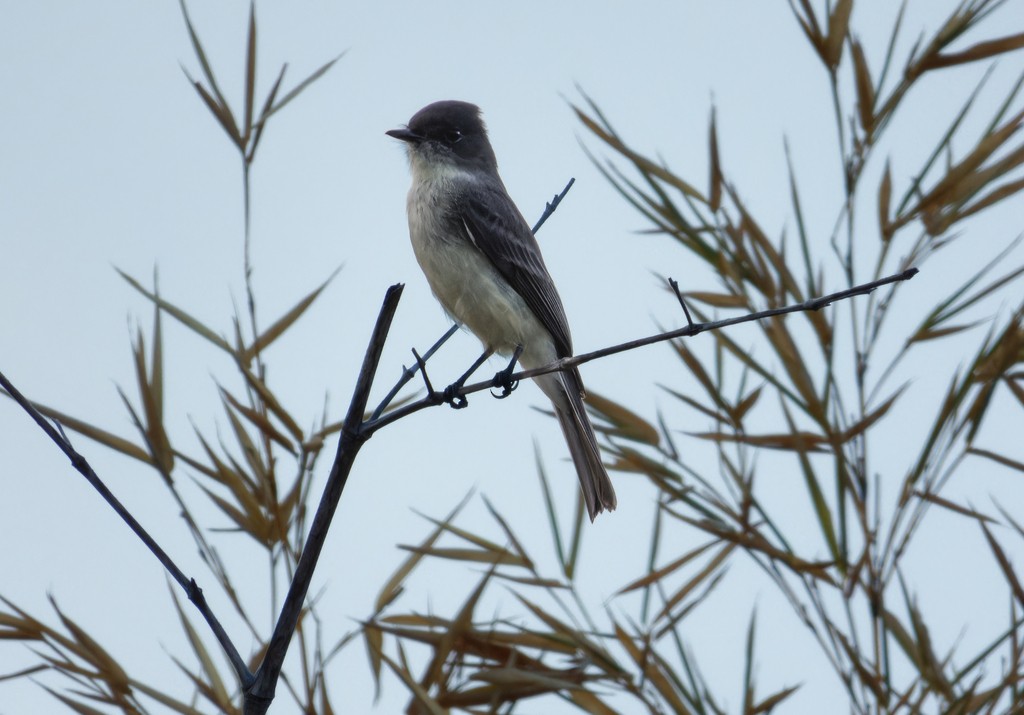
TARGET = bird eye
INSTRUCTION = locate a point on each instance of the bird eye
(453, 136)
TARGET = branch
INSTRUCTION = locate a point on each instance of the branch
(550, 206)
(695, 328)
(189, 585)
(434, 398)
(409, 373)
(261, 692)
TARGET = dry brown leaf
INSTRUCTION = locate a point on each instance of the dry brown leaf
(716, 178)
(864, 87)
(628, 424)
(501, 556)
(885, 226)
(952, 506)
(1004, 564)
(795, 441)
(979, 51)
(658, 574)
(646, 660)
(838, 26)
(719, 300)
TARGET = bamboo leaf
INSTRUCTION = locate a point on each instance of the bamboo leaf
(838, 26)
(1004, 564)
(259, 421)
(221, 112)
(469, 555)
(180, 315)
(713, 566)
(301, 87)
(78, 707)
(393, 587)
(552, 514)
(871, 418)
(509, 534)
(952, 506)
(107, 439)
(799, 441)
(821, 508)
(646, 660)
(768, 704)
(374, 639)
(716, 179)
(809, 24)
(165, 699)
(864, 87)
(626, 423)
(197, 47)
(589, 702)
(250, 70)
(658, 574)
(271, 402)
(113, 674)
(213, 679)
(979, 51)
(949, 186)
(885, 227)
(421, 696)
(284, 322)
(998, 458)
(644, 165)
(719, 300)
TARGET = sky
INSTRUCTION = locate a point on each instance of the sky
(109, 160)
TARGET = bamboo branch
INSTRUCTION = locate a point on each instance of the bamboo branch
(435, 397)
(189, 585)
(261, 692)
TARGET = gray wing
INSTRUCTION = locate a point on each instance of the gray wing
(496, 227)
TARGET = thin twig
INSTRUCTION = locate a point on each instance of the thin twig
(696, 328)
(682, 301)
(550, 207)
(409, 373)
(690, 330)
(189, 585)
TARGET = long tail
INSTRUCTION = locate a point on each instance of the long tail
(565, 390)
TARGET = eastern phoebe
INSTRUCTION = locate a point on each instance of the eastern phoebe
(484, 266)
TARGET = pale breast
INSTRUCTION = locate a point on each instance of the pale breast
(472, 291)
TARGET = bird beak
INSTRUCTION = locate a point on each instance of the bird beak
(405, 135)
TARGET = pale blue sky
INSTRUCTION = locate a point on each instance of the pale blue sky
(107, 158)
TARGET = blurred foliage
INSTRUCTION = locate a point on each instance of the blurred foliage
(829, 372)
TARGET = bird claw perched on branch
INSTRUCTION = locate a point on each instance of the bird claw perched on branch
(503, 379)
(451, 396)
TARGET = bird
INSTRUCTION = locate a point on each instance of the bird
(485, 267)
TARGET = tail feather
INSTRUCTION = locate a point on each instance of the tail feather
(566, 393)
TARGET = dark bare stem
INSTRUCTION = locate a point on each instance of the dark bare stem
(690, 330)
(409, 373)
(550, 207)
(261, 692)
(682, 301)
(695, 328)
(189, 585)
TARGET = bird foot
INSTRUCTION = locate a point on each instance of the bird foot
(452, 397)
(503, 379)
